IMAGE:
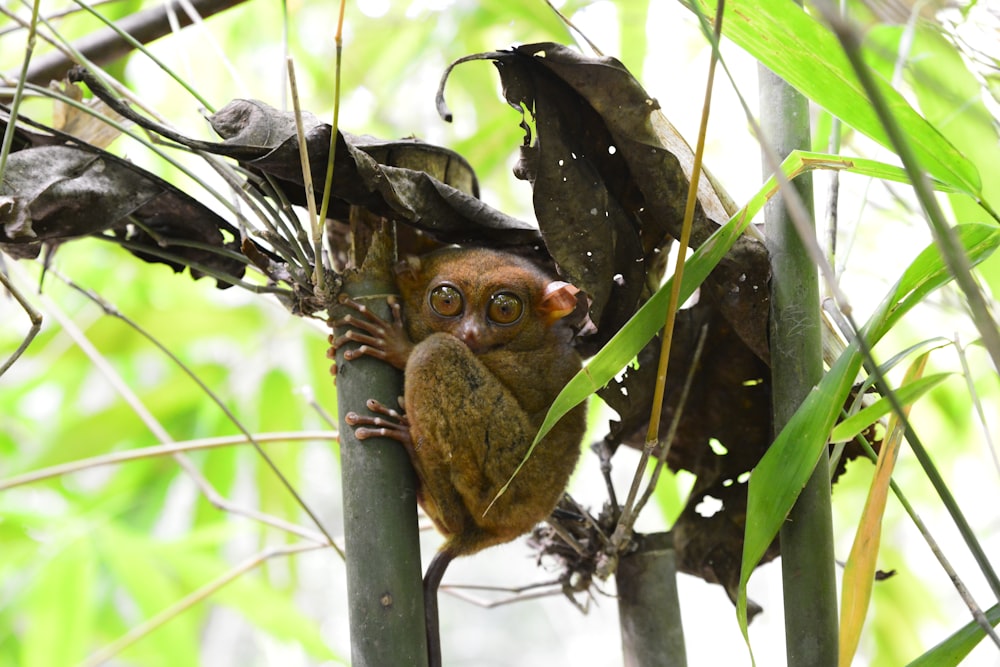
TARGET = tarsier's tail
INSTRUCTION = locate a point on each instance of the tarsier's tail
(432, 579)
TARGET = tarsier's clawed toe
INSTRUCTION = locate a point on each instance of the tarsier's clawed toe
(366, 426)
(379, 408)
(354, 419)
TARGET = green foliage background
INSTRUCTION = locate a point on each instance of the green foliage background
(87, 556)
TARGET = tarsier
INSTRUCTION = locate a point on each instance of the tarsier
(484, 348)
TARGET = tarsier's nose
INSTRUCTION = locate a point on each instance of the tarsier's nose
(470, 333)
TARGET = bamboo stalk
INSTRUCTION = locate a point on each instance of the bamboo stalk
(648, 605)
(809, 582)
(384, 586)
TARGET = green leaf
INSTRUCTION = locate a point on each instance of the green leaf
(140, 571)
(59, 607)
(778, 479)
(645, 324)
(951, 97)
(954, 649)
(806, 54)
(799, 162)
(639, 330)
(853, 425)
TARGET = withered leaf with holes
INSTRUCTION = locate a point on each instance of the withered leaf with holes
(428, 187)
(610, 178)
(56, 188)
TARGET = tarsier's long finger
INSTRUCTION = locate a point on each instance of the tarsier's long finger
(377, 407)
(375, 327)
(351, 355)
(356, 337)
(382, 428)
(331, 354)
(362, 309)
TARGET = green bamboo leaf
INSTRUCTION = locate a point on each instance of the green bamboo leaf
(638, 331)
(778, 479)
(799, 162)
(645, 324)
(139, 569)
(856, 423)
(950, 96)
(59, 607)
(627, 343)
(806, 54)
(897, 358)
(954, 649)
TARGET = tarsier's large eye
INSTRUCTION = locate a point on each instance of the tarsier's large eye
(446, 301)
(505, 308)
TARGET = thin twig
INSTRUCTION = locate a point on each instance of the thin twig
(674, 423)
(573, 28)
(198, 444)
(307, 182)
(34, 317)
(331, 159)
(62, 13)
(310, 398)
(977, 403)
(29, 49)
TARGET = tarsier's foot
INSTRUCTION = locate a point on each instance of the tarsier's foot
(396, 426)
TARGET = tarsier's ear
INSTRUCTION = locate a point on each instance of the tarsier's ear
(407, 269)
(558, 301)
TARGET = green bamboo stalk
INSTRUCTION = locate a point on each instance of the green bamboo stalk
(810, 593)
(648, 605)
(384, 587)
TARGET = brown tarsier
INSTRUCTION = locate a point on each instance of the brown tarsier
(480, 336)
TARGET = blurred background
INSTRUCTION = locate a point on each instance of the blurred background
(91, 554)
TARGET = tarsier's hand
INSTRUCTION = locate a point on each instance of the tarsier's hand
(383, 340)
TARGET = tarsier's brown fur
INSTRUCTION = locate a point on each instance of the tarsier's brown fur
(476, 392)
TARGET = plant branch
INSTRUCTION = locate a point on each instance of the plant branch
(109, 44)
(34, 317)
(198, 444)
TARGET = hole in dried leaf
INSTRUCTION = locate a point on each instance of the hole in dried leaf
(709, 507)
